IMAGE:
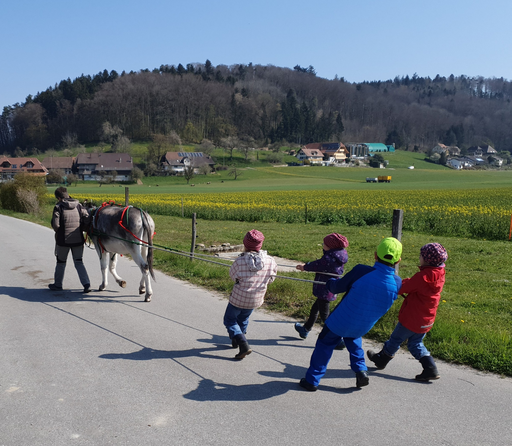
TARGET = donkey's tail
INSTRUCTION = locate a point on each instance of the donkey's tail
(149, 229)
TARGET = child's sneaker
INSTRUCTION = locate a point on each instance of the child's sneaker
(303, 333)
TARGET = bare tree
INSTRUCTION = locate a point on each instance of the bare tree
(207, 147)
(188, 173)
(122, 145)
(230, 143)
(235, 172)
(137, 174)
(72, 178)
(205, 169)
(246, 147)
(69, 140)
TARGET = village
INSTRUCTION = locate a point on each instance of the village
(119, 167)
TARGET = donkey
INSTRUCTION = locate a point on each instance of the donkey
(123, 230)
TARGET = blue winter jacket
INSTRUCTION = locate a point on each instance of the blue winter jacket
(370, 292)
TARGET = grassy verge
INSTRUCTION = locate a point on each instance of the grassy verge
(473, 321)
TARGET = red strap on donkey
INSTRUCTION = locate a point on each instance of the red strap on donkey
(126, 229)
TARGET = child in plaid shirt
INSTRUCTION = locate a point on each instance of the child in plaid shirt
(252, 271)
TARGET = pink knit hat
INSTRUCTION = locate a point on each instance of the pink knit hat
(434, 254)
(335, 241)
(253, 240)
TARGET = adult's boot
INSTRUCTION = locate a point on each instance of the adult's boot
(429, 369)
(380, 359)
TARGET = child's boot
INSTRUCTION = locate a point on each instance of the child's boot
(429, 369)
(362, 379)
(243, 345)
(380, 359)
(303, 333)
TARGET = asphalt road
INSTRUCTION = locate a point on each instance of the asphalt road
(107, 368)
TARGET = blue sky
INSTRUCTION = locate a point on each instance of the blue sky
(43, 42)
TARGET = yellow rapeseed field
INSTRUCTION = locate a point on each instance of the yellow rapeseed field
(471, 213)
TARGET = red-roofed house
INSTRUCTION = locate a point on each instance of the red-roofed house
(11, 166)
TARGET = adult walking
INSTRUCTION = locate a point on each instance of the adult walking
(67, 220)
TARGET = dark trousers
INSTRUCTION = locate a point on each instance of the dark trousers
(319, 308)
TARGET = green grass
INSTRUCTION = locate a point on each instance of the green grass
(473, 322)
(261, 176)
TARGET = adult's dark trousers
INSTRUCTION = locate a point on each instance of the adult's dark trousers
(77, 252)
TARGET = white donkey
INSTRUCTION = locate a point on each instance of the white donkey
(124, 230)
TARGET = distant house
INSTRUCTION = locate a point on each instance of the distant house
(495, 160)
(460, 163)
(11, 166)
(92, 166)
(314, 156)
(174, 163)
(481, 150)
(333, 152)
(476, 160)
(449, 150)
(64, 163)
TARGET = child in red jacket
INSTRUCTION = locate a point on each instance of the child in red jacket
(418, 312)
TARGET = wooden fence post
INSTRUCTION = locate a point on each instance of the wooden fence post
(127, 196)
(396, 228)
(193, 246)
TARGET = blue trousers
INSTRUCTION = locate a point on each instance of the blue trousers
(327, 341)
(414, 342)
(236, 320)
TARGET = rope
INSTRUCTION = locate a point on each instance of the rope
(185, 254)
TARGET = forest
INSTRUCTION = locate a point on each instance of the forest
(261, 105)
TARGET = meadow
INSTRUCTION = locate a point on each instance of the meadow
(468, 212)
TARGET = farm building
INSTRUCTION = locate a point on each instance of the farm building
(364, 149)
(174, 163)
(64, 163)
(94, 166)
(333, 152)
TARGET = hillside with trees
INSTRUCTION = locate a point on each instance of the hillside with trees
(260, 105)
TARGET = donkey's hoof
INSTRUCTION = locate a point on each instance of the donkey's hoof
(142, 290)
(148, 298)
(101, 287)
(122, 283)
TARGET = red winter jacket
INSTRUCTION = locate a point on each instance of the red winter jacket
(423, 290)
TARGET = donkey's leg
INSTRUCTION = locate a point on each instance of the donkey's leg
(145, 281)
(112, 267)
(104, 259)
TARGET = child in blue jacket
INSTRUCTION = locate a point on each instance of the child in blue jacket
(370, 292)
(333, 260)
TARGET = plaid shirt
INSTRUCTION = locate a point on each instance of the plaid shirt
(250, 286)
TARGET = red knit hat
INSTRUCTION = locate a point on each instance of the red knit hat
(335, 241)
(253, 240)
